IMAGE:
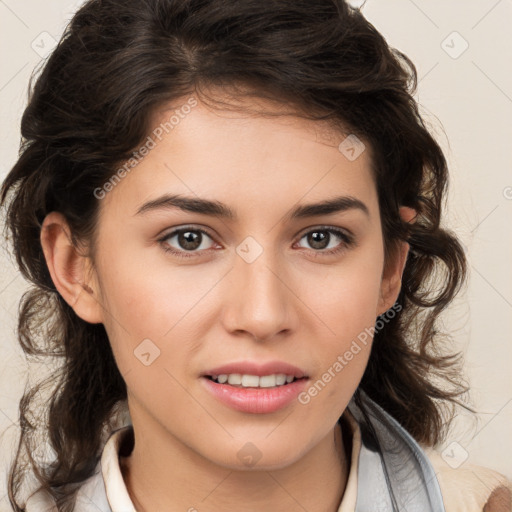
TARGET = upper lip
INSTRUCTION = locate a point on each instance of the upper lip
(259, 369)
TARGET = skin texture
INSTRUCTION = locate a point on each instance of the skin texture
(293, 303)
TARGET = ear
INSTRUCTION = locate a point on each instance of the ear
(392, 275)
(71, 272)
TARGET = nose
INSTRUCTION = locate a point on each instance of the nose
(260, 300)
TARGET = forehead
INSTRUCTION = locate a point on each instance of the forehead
(232, 113)
(254, 149)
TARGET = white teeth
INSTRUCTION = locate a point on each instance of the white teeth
(254, 381)
(235, 378)
(267, 381)
(281, 379)
(250, 381)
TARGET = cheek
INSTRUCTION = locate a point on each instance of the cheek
(348, 298)
(139, 303)
(343, 351)
(347, 307)
(147, 336)
(143, 293)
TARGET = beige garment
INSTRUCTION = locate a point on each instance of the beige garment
(466, 489)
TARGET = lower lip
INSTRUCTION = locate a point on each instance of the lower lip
(255, 400)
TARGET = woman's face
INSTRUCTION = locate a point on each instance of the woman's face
(267, 290)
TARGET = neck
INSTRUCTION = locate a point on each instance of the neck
(316, 482)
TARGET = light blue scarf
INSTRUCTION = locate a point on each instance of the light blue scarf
(394, 473)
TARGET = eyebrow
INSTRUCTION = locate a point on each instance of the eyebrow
(220, 210)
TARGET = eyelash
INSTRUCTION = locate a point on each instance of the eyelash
(347, 241)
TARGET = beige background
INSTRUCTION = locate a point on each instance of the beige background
(465, 96)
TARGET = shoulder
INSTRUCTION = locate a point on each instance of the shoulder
(469, 487)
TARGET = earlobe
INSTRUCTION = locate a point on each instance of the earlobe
(69, 269)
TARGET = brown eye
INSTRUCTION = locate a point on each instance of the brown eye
(324, 240)
(318, 239)
(187, 240)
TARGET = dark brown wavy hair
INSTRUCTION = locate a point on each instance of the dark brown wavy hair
(90, 107)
